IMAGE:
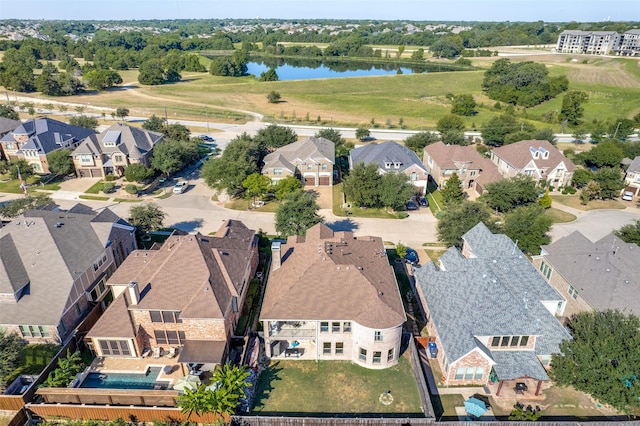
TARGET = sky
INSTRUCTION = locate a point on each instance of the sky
(418, 10)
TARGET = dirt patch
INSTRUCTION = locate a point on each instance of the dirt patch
(609, 76)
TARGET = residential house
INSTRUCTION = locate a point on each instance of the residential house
(310, 160)
(6, 125)
(538, 159)
(490, 314)
(391, 157)
(53, 268)
(474, 170)
(110, 152)
(632, 176)
(37, 137)
(184, 297)
(597, 275)
(332, 296)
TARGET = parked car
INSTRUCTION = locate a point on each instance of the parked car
(424, 202)
(206, 138)
(412, 205)
(411, 256)
(180, 187)
(627, 196)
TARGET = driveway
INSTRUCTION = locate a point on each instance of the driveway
(595, 224)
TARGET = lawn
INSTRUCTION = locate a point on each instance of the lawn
(434, 197)
(96, 188)
(13, 185)
(93, 197)
(335, 387)
(36, 357)
(574, 201)
(559, 216)
(338, 210)
(242, 204)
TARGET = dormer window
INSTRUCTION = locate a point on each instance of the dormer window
(387, 165)
(396, 165)
(111, 138)
(535, 153)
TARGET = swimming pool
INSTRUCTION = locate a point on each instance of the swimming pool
(122, 380)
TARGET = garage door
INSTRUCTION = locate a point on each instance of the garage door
(324, 180)
(310, 181)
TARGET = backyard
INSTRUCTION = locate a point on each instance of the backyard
(35, 358)
(332, 387)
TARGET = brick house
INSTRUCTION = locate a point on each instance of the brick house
(537, 159)
(332, 296)
(186, 296)
(490, 313)
(310, 160)
(53, 268)
(6, 125)
(113, 150)
(37, 137)
(632, 176)
(597, 275)
(391, 157)
(473, 170)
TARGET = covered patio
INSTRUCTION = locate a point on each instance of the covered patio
(519, 373)
(206, 354)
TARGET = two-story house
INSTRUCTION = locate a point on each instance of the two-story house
(37, 137)
(597, 275)
(185, 297)
(310, 160)
(110, 152)
(538, 159)
(490, 314)
(632, 176)
(391, 157)
(473, 170)
(6, 125)
(54, 266)
(332, 296)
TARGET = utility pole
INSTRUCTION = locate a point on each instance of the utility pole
(617, 128)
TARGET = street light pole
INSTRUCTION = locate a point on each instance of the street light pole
(617, 128)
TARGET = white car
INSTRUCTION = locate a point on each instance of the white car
(627, 196)
(180, 187)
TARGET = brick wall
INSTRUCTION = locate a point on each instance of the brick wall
(473, 360)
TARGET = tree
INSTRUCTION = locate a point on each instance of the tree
(11, 354)
(177, 131)
(417, 55)
(197, 401)
(572, 110)
(497, 128)
(460, 218)
(444, 48)
(463, 105)
(274, 136)
(507, 194)
(602, 358)
(154, 124)
(26, 169)
(449, 123)
(137, 172)
(362, 133)
(581, 177)
(67, 369)
(610, 181)
(172, 155)
(256, 185)
(84, 121)
(297, 214)
(7, 111)
(630, 233)
(452, 190)
(605, 154)
(419, 141)
(362, 185)
(60, 162)
(146, 217)
(269, 75)
(589, 192)
(519, 413)
(274, 97)
(287, 186)
(394, 191)
(101, 79)
(151, 73)
(545, 201)
(528, 227)
(20, 205)
(332, 134)
(232, 384)
(122, 113)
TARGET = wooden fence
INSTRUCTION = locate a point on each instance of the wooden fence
(329, 421)
(20, 419)
(427, 407)
(137, 397)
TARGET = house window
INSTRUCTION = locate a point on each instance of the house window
(97, 291)
(546, 270)
(377, 357)
(460, 373)
(346, 327)
(362, 356)
(390, 355)
(495, 341)
(505, 341)
(545, 359)
(377, 336)
(309, 167)
(387, 165)
(324, 327)
(324, 167)
(115, 347)
(117, 158)
(326, 348)
(156, 316)
(514, 340)
(573, 292)
(396, 165)
(277, 172)
(101, 261)
(78, 310)
(469, 373)
(413, 176)
(34, 331)
(479, 373)
(86, 159)
(430, 161)
(165, 316)
(169, 337)
(335, 327)
(524, 340)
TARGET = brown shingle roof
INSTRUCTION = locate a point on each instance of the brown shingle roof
(116, 324)
(449, 157)
(519, 155)
(327, 276)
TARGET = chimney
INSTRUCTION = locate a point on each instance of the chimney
(134, 292)
(276, 259)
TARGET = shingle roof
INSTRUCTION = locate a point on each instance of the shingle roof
(605, 273)
(634, 167)
(311, 148)
(519, 154)
(46, 134)
(7, 125)
(131, 141)
(328, 275)
(52, 256)
(485, 244)
(453, 157)
(497, 295)
(384, 153)
(512, 365)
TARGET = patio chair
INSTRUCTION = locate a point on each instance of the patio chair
(157, 352)
(173, 351)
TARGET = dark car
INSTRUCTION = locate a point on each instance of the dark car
(412, 205)
(424, 202)
(411, 256)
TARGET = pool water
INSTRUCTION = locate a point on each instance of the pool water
(121, 380)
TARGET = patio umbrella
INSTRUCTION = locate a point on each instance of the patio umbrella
(475, 407)
(189, 381)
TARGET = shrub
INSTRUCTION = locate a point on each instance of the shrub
(110, 178)
(403, 215)
(568, 190)
(131, 189)
(107, 187)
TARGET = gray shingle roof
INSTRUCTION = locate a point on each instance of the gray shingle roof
(7, 125)
(135, 143)
(384, 153)
(499, 295)
(516, 364)
(311, 148)
(484, 243)
(635, 165)
(46, 134)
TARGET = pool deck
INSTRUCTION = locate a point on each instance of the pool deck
(140, 365)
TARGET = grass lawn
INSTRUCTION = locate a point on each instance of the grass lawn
(93, 197)
(128, 200)
(434, 197)
(574, 201)
(338, 196)
(434, 254)
(13, 185)
(332, 387)
(445, 405)
(36, 357)
(559, 216)
(241, 204)
(96, 188)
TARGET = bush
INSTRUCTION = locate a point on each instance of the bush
(107, 187)
(569, 190)
(403, 215)
(110, 178)
(131, 189)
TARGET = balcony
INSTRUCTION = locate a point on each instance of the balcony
(292, 329)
